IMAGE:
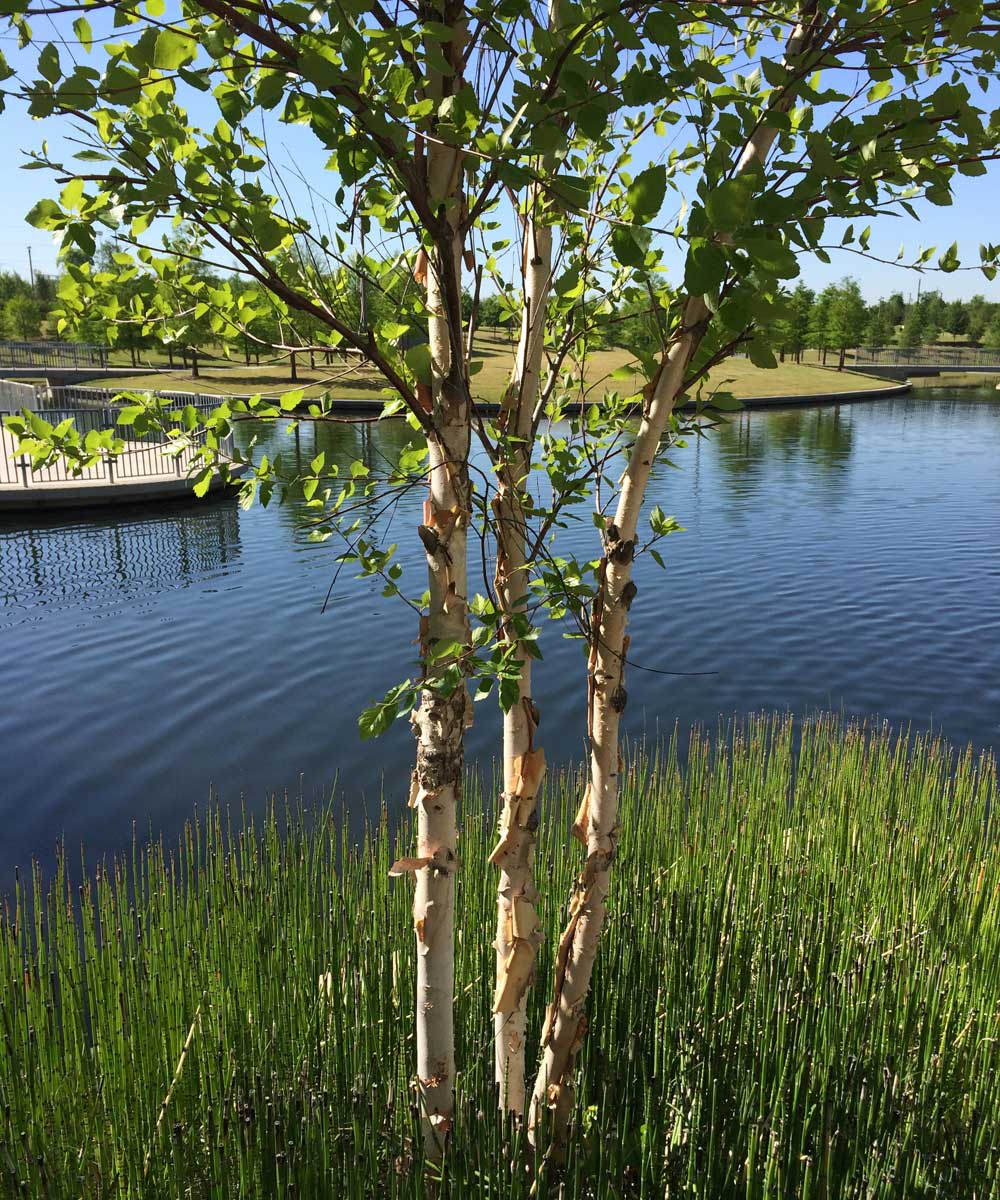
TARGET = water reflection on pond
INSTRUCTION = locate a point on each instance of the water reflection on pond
(842, 557)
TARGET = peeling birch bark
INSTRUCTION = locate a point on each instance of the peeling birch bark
(439, 722)
(518, 936)
(596, 823)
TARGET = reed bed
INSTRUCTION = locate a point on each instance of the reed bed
(798, 994)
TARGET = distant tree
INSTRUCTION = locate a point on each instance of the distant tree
(187, 296)
(101, 304)
(879, 331)
(956, 320)
(846, 320)
(931, 332)
(45, 289)
(819, 321)
(492, 312)
(74, 256)
(991, 334)
(980, 314)
(11, 285)
(23, 317)
(895, 309)
(912, 333)
(792, 331)
(933, 312)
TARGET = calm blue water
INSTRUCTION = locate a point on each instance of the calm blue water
(837, 557)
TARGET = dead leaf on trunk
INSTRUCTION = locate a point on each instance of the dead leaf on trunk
(408, 866)
(420, 267)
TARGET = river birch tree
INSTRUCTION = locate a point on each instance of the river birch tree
(431, 117)
(799, 119)
(843, 113)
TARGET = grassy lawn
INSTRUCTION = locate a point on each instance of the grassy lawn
(797, 995)
(354, 383)
(954, 379)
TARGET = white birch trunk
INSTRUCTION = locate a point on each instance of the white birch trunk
(597, 820)
(518, 934)
(439, 722)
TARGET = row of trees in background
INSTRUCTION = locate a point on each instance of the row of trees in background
(145, 315)
(837, 319)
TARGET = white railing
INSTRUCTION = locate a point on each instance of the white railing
(144, 456)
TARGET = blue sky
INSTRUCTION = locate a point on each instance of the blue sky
(970, 220)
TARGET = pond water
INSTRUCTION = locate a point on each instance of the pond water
(837, 557)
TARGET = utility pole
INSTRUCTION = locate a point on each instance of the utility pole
(31, 271)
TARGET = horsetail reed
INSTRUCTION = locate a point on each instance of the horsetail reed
(798, 994)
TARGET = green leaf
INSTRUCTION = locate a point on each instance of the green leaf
(418, 359)
(173, 50)
(72, 194)
(761, 356)
(730, 205)
(44, 214)
(291, 400)
(646, 192)
(81, 27)
(771, 256)
(629, 245)
(949, 261)
(705, 268)
(202, 482)
(376, 720)
(49, 66)
(510, 693)
(879, 91)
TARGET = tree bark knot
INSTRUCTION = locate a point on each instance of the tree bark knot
(620, 550)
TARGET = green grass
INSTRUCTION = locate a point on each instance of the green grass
(956, 379)
(737, 375)
(798, 995)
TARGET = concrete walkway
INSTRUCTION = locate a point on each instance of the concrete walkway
(136, 476)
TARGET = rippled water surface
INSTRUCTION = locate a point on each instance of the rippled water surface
(837, 557)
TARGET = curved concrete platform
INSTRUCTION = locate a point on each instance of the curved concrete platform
(845, 397)
(93, 493)
(875, 393)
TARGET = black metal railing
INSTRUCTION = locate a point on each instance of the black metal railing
(926, 356)
(52, 354)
